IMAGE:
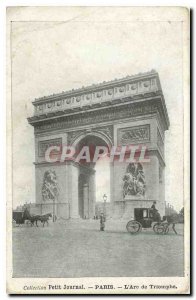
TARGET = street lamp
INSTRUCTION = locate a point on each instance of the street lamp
(53, 209)
(104, 201)
(54, 200)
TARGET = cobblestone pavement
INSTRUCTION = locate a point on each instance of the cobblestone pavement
(80, 249)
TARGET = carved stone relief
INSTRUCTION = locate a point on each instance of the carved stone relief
(134, 180)
(106, 130)
(44, 145)
(134, 134)
(71, 136)
(50, 188)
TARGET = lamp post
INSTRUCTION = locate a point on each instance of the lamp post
(104, 201)
(53, 209)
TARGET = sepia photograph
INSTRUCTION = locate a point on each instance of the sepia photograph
(98, 200)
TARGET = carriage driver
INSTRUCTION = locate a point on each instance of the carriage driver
(153, 206)
(154, 210)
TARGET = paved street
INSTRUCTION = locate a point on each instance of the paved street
(79, 249)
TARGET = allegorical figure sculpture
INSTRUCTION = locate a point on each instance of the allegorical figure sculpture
(134, 180)
(50, 186)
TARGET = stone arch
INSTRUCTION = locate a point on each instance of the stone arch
(99, 134)
(87, 172)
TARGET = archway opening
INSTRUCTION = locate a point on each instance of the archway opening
(102, 204)
(94, 178)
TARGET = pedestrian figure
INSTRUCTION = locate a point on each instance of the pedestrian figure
(102, 222)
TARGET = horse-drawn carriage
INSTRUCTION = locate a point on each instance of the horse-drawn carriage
(19, 217)
(149, 218)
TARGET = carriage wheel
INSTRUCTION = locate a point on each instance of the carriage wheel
(159, 228)
(133, 227)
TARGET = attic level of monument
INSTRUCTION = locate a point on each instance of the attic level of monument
(117, 93)
(96, 87)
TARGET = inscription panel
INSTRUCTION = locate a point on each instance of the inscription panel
(136, 134)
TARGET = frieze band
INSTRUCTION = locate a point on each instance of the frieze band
(97, 117)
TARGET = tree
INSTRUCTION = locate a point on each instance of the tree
(181, 213)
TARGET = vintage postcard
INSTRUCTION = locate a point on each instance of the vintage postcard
(98, 191)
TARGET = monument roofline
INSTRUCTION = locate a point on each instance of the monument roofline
(99, 86)
(128, 90)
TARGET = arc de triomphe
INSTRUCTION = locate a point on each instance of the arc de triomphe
(126, 111)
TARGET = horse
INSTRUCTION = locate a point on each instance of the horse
(33, 219)
(28, 216)
(168, 220)
(44, 218)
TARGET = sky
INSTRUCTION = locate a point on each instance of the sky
(92, 47)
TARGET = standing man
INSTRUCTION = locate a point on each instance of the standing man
(102, 222)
